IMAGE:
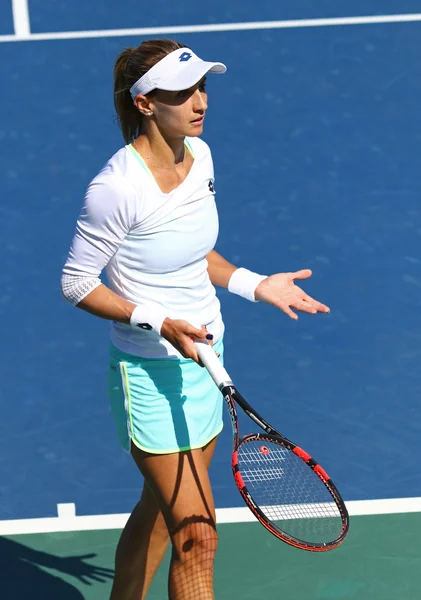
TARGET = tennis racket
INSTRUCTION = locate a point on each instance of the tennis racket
(284, 487)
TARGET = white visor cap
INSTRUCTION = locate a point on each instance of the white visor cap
(177, 71)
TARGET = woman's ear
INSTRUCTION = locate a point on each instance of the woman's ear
(143, 105)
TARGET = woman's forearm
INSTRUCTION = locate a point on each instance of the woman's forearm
(104, 303)
(219, 269)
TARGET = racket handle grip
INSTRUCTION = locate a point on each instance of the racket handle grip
(213, 364)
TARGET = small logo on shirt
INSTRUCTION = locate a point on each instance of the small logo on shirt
(211, 186)
(144, 326)
(185, 57)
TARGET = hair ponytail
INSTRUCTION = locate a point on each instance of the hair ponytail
(128, 117)
(130, 66)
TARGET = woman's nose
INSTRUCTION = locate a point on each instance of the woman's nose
(200, 102)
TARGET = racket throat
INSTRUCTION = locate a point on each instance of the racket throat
(265, 426)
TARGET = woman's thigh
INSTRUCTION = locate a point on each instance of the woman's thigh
(180, 484)
(208, 451)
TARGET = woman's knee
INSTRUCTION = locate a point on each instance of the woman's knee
(195, 538)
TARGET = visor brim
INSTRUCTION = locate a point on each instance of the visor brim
(190, 75)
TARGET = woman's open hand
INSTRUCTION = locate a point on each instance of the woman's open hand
(281, 291)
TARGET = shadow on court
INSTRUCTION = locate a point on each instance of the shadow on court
(25, 573)
(378, 561)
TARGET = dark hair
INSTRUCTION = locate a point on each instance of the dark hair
(130, 66)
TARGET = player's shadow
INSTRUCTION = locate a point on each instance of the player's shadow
(22, 575)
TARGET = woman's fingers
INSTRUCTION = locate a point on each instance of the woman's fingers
(181, 334)
(193, 332)
(318, 306)
(209, 336)
(190, 333)
(304, 304)
(302, 274)
(286, 309)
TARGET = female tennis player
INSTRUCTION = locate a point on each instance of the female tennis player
(149, 218)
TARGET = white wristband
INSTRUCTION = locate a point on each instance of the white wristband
(244, 283)
(147, 317)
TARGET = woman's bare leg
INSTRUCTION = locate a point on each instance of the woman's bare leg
(140, 550)
(143, 544)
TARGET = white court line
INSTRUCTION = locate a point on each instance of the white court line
(69, 522)
(256, 25)
(21, 21)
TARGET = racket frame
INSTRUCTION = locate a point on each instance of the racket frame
(232, 396)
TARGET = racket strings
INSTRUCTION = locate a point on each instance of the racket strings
(288, 492)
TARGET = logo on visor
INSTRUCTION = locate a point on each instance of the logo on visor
(185, 57)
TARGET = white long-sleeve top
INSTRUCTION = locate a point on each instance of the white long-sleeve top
(153, 245)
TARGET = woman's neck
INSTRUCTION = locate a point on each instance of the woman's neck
(159, 151)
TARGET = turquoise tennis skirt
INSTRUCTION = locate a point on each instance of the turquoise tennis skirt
(163, 405)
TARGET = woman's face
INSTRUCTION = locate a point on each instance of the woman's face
(180, 114)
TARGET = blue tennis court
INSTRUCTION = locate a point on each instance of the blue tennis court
(315, 133)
